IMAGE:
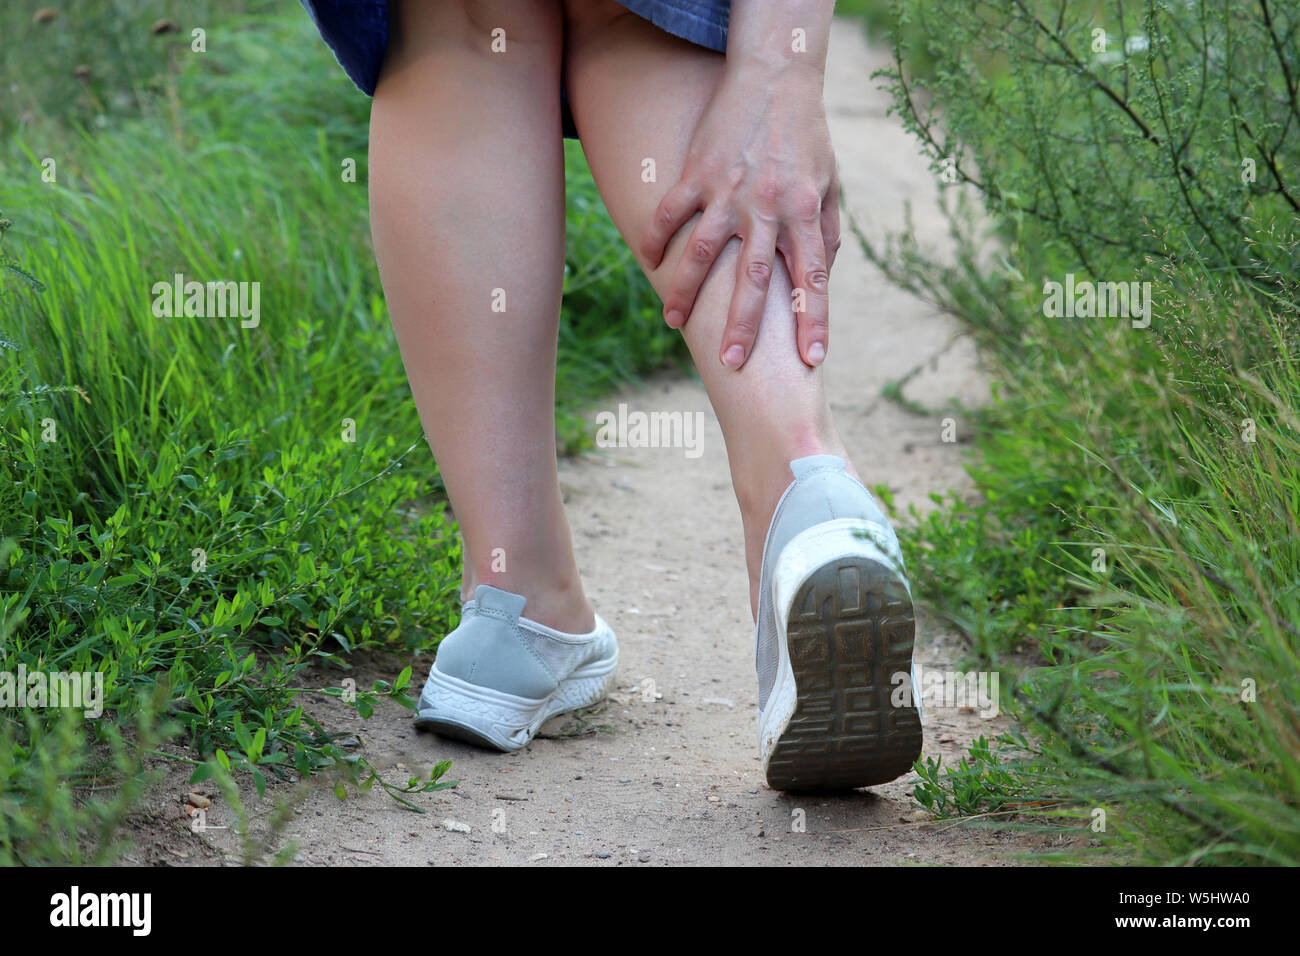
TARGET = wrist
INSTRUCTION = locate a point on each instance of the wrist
(779, 44)
(768, 70)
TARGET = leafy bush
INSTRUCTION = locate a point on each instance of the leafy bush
(1135, 535)
(1124, 133)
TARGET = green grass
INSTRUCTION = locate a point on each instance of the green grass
(181, 510)
(1145, 558)
(208, 514)
(1130, 561)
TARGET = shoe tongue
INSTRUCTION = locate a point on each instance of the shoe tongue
(806, 466)
(507, 602)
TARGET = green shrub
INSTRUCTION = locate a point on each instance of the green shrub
(1132, 559)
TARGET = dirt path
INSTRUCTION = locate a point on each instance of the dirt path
(677, 779)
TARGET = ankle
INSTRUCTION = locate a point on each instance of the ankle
(760, 482)
(759, 491)
(559, 603)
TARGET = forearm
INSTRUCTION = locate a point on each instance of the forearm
(781, 41)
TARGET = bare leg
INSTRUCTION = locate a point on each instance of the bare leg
(467, 214)
(636, 92)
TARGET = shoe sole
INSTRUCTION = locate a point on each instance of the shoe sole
(848, 630)
(489, 718)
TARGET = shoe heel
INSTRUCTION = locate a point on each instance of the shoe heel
(845, 694)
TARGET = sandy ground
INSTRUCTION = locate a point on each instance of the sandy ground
(676, 779)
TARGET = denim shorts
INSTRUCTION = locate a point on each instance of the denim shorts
(357, 32)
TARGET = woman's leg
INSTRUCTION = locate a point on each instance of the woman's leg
(467, 214)
(637, 92)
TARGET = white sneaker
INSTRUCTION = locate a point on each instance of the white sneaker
(499, 676)
(838, 702)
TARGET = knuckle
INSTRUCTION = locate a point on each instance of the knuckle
(745, 325)
(665, 216)
(703, 250)
(769, 189)
(814, 321)
(759, 272)
(816, 279)
(713, 169)
(805, 205)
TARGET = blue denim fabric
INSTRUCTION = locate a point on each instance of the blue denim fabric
(357, 32)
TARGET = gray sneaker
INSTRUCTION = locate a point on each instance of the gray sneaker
(499, 676)
(837, 701)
